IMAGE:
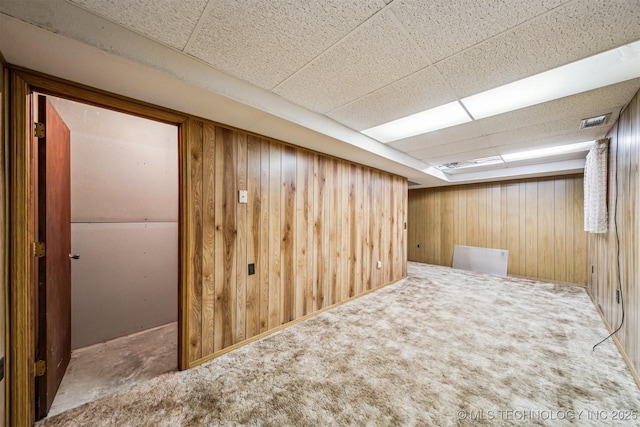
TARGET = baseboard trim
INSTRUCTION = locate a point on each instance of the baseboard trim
(636, 378)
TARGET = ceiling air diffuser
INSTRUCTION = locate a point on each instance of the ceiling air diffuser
(594, 121)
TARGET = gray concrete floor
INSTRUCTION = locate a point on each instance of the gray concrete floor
(102, 369)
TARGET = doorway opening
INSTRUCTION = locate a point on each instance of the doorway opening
(124, 228)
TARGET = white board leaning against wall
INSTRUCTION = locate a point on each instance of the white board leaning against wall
(481, 260)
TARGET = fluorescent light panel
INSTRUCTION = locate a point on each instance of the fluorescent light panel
(614, 66)
(548, 152)
(441, 117)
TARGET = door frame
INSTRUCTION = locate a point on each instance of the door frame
(21, 265)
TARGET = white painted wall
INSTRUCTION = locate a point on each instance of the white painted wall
(124, 214)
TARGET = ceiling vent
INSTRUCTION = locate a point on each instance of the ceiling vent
(592, 122)
(471, 163)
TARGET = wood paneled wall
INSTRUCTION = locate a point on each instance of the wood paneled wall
(4, 140)
(314, 226)
(539, 221)
(624, 209)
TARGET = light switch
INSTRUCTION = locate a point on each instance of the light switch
(243, 197)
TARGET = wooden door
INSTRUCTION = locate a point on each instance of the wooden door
(54, 268)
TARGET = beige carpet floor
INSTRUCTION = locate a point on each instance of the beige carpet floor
(442, 347)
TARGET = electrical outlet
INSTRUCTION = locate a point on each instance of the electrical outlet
(379, 264)
(252, 269)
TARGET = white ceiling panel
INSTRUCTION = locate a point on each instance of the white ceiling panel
(417, 92)
(454, 148)
(168, 21)
(445, 27)
(462, 132)
(377, 54)
(266, 42)
(568, 33)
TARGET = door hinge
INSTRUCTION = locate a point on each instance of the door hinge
(39, 130)
(40, 368)
(38, 249)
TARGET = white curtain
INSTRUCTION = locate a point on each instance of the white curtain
(595, 188)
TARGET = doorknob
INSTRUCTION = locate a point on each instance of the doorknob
(74, 256)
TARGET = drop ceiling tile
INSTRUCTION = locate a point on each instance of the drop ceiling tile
(586, 104)
(264, 42)
(412, 94)
(375, 55)
(450, 135)
(452, 149)
(168, 21)
(571, 32)
(445, 27)
(558, 131)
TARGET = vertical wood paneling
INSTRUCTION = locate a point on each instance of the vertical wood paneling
(333, 180)
(314, 227)
(385, 246)
(472, 216)
(225, 238)
(376, 228)
(265, 259)
(193, 224)
(287, 229)
(527, 217)
(546, 230)
(275, 275)
(483, 211)
(346, 287)
(367, 230)
(572, 229)
(617, 265)
(253, 228)
(321, 244)
(354, 253)
(208, 242)
(513, 227)
(531, 231)
(300, 234)
(559, 213)
(448, 226)
(361, 226)
(241, 242)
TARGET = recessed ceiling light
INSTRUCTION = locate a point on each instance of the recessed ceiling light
(607, 68)
(548, 152)
(441, 117)
(594, 121)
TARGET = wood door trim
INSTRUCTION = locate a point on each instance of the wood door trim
(21, 225)
(50, 85)
(20, 262)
